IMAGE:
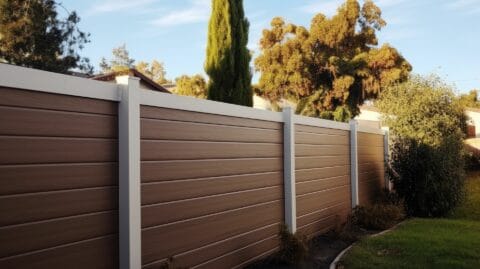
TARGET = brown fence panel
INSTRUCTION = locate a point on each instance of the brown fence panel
(212, 188)
(58, 181)
(371, 171)
(322, 163)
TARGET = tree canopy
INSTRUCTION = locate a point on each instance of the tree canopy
(195, 86)
(154, 70)
(121, 61)
(228, 58)
(427, 124)
(33, 35)
(470, 99)
(330, 69)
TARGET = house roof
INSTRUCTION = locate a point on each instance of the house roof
(472, 109)
(133, 72)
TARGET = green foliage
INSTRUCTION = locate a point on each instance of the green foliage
(293, 247)
(470, 99)
(228, 58)
(427, 153)
(379, 216)
(191, 86)
(120, 61)
(32, 35)
(154, 70)
(470, 208)
(331, 68)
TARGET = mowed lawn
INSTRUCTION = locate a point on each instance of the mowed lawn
(427, 243)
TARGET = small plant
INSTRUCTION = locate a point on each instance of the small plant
(379, 216)
(293, 247)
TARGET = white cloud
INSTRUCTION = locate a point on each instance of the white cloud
(328, 8)
(199, 11)
(109, 6)
(464, 6)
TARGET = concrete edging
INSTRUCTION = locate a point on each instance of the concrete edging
(334, 263)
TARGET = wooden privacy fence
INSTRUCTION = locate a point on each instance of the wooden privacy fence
(98, 175)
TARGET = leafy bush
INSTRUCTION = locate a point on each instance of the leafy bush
(293, 247)
(427, 155)
(378, 216)
(430, 178)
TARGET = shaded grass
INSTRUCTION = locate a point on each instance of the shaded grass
(427, 243)
(470, 208)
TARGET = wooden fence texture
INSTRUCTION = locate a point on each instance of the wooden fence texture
(212, 178)
(58, 181)
(371, 172)
(322, 158)
(212, 188)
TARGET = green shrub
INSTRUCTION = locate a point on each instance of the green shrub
(429, 178)
(293, 247)
(427, 126)
(379, 216)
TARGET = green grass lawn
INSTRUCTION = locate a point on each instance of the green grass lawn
(427, 243)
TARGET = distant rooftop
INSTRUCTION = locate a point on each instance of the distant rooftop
(132, 72)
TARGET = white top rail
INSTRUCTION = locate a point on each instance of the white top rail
(310, 121)
(165, 100)
(38, 80)
(366, 129)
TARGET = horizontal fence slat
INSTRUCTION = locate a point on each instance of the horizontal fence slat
(371, 140)
(319, 162)
(368, 167)
(182, 150)
(366, 176)
(199, 232)
(96, 253)
(217, 249)
(369, 150)
(320, 139)
(33, 99)
(320, 150)
(178, 130)
(313, 201)
(320, 226)
(35, 236)
(190, 116)
(182, 189)
(43, 206)
(34, 122)
(321, 184)
(241, 255)
(319, 130)
(368, 190)
(171, 170)
(181, 210)
(15, 179)
(374, 158)
(319, 173)
(329, 209)
(32, 150)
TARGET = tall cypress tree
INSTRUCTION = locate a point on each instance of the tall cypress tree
(228, 58)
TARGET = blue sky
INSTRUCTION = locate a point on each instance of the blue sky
(441, 36)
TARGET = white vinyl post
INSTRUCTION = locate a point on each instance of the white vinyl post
(354, 161)
(289, 169)
(129, 175)
(388, 184)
